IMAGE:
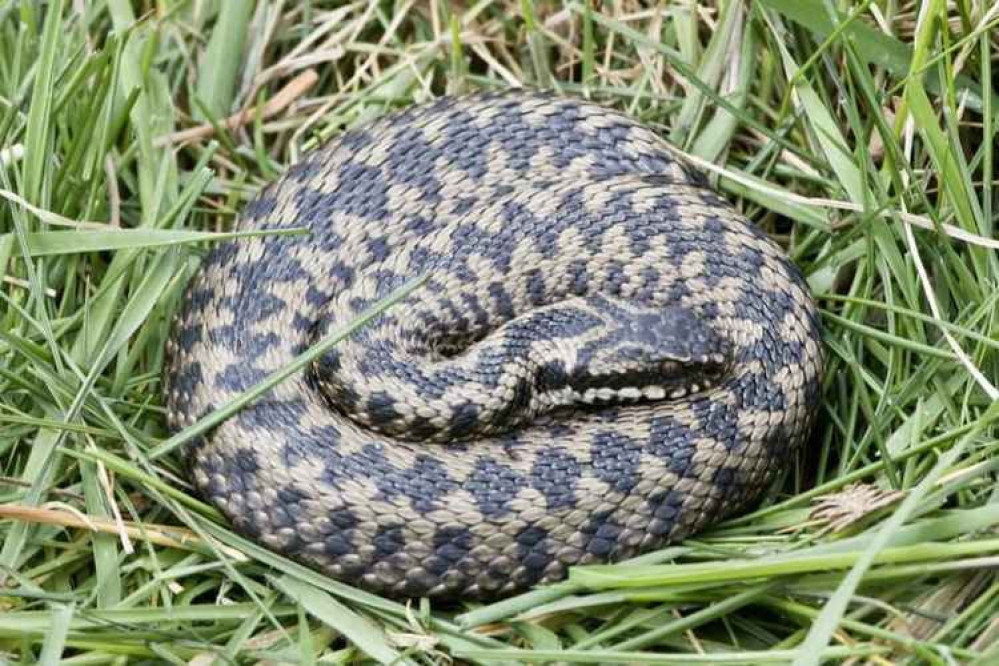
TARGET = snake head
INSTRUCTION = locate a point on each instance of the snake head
(642, 353)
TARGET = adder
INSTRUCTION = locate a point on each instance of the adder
(605, 356)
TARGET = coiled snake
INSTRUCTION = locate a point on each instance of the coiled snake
(605, 356)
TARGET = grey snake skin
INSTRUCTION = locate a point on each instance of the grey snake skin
(605, 357)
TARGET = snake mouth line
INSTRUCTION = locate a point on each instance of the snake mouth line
(671, 380)
(634, 394)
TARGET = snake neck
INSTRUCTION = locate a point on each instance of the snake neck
(432, 383)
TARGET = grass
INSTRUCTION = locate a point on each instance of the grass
(861, 135)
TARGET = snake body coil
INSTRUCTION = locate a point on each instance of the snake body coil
(605, 356)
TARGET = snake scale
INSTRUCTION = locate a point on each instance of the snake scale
(605, 356)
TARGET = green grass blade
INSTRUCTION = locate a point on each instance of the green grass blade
(47, 243)
(301, 361)
(38, 131)
(55, 641)
(359, 631)
(217, 75)
(828, 620)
